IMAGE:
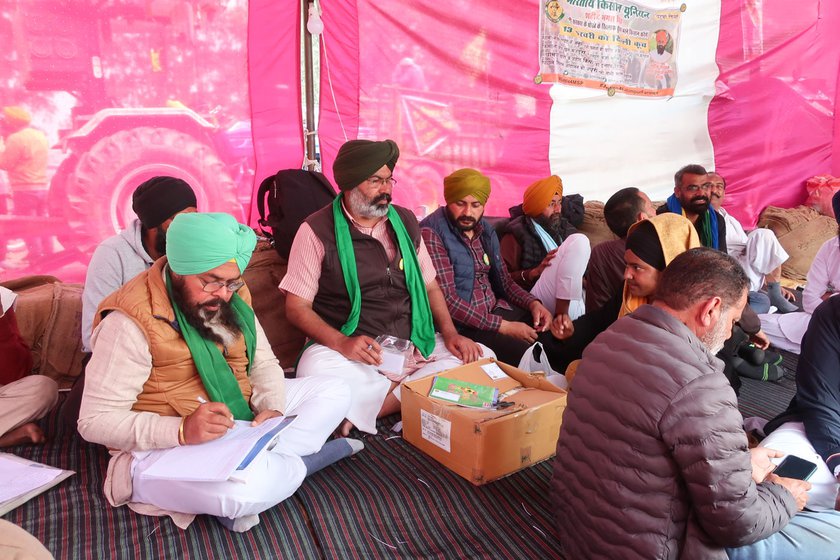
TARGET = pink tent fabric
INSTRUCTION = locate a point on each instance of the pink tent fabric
(773, 121)
(452, 89)
(212, 91)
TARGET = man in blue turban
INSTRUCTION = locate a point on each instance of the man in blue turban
(178, 357)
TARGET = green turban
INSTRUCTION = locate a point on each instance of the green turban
(466, 182)
(357, 160)
(198, 242)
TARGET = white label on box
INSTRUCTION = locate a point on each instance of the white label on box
(445, 395)
(435, 429)
(494, 371)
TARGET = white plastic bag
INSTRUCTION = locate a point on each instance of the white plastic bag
(535, 359)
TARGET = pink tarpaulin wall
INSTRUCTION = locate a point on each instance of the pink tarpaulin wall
(452, 84)
(204, 90)
(773, 121)
(211, 91)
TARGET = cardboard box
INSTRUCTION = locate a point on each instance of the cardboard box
(485, 445)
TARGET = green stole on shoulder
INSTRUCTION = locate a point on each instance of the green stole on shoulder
(215, 372)
(422, 323)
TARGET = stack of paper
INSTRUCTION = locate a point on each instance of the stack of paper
(24, 479)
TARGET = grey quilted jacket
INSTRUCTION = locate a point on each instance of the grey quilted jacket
(652, 460)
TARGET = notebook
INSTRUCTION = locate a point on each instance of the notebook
(217, 460)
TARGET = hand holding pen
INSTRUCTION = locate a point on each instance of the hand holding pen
(211, 420)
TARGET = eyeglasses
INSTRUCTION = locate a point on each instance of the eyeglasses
(695, 188)
(211, 287)
(378, 181)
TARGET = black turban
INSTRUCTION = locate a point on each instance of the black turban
(160, 198)
(644, 241)
(357, 160)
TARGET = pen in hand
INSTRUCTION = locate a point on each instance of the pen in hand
(202, 400)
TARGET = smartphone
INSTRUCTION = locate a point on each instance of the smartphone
(795, 467)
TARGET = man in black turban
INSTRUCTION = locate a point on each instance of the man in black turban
(358, 269)
(120, 258)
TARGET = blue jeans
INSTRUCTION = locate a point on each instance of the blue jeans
(811, 535)
(759, 301)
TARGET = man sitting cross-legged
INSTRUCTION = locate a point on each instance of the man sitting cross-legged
(544, 253)
(358, 269)
(484, 301)
(183, 333)
(759, 252)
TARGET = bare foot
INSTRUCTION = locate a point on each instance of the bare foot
(28, 433)
(344, 428)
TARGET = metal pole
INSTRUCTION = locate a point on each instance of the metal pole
(309, 88)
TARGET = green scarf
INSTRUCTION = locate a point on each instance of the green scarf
(422, 324)
(214, 370)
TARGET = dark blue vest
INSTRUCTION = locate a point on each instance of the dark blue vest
(461, 257)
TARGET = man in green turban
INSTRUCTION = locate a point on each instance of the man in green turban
(484, 302)
(178, 357)
(358, 270)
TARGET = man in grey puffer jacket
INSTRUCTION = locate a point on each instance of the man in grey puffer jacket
(652, 460)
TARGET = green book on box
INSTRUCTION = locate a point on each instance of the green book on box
(464, 393)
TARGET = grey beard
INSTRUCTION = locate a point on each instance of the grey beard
(220, 326)
(360, 207)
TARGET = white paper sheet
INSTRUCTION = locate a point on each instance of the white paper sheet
(215, 460)
(19, 478)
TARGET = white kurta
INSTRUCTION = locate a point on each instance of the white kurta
(759, 252)
(786, 331)
(791, 439)
(563, 277)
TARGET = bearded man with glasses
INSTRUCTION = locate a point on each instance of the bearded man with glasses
(359, 269)
(691, 198)
(178, 355)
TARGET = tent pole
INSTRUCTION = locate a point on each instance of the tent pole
(309, 88)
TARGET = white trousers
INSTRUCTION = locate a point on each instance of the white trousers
(26, 400)
(368, 386)
(760, 256)
(563, 277)
(320, 405)
(786, 330)
(790, 438)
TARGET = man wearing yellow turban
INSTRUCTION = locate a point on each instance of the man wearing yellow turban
(485, 303)
(178, 355)
(358, 270)
(544, 252)
(24, 158)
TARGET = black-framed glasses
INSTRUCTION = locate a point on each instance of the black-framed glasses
(217, 285)
(695, 188)
(378, 181)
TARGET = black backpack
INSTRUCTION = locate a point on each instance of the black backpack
(290, 196)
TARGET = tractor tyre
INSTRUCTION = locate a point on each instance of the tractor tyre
(100, 187)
